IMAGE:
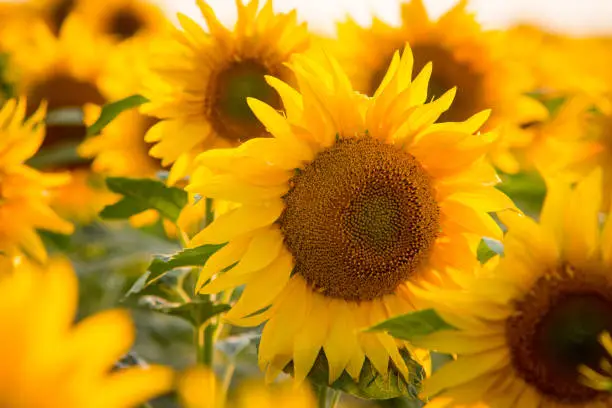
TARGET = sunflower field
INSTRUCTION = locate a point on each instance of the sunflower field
(258, 214)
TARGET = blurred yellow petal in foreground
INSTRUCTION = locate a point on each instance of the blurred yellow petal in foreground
(198, 388)
(49, 362)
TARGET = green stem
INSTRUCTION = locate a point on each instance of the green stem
(227, 380)
(210, 214)
(335, 399)
(209, 345)
(322, 391)
(199, 342)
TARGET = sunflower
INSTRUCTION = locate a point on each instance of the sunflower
(463, 55)
(562, 64)
(351, 198)
(198, 388)
(601, 379)
(201, 81)
(24, 192)
(52, 12)
(526, 327)
(49, 362)
(576, 141)
(123, 19)
(64, 71)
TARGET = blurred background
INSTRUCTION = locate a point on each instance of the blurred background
(586, 17)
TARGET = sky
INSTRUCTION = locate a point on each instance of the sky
(580, 17)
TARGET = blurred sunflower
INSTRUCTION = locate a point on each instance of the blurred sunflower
(350, 199)
(561, 64)
(49, 362)
(525, 328)
(53, 12)
(201, 81)
(198, 388)
(463, 55)
(123, 19)
(576, 141)
(24, 192)
(602, 378)
(64, 71)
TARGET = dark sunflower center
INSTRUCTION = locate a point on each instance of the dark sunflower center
(447, 73)
(125, 24)
(230, 114)
(65, 96)
(360, 219)
(59, 13)
(556, 330)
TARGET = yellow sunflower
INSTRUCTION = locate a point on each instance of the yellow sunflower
(53, 12)
(201, 81)
(198, 388)
(602, 378)
(525, 328)
(122, 20)
(24, 192)
(63, 71)
(349, 200)
(49, 362)
(577, 140)
(562, 64)
(463, 55)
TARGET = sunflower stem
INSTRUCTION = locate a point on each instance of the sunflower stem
(205, 344)
(209, 214)
(322, 391)
(335, 399)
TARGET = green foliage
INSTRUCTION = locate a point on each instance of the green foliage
(189, 257)
(111, 110)
(527, 190)
(371, 384)
(412, 325)
(143, 194)
(489, 248)
(168, 294)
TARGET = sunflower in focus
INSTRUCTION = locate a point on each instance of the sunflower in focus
(463, 55)
(24, 192)
(123, 20)
(64, 71)
(201, 81)
(350, 199)
(49, 362)
(525, 328)
(198, 388)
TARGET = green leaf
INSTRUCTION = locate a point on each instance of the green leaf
(143, 194)
(527, 190)
(111, 110)
(489, 248)
(188, 257)
(166, 290)
(371, 384)
(196, 312)
(61, 154)
(414, 324)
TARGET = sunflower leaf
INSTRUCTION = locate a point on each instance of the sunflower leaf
(111, 110)
(197, 256)
(412, 325)
(371, 384)
(489, 248)
(196, 312)
(143, 194)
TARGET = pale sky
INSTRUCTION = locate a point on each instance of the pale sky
(575, 16)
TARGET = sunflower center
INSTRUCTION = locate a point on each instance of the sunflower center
(65, 96)
(447, 73)
(231, 116)
(556, 329)
(125, 24)
(59, 13)
(360, 219)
